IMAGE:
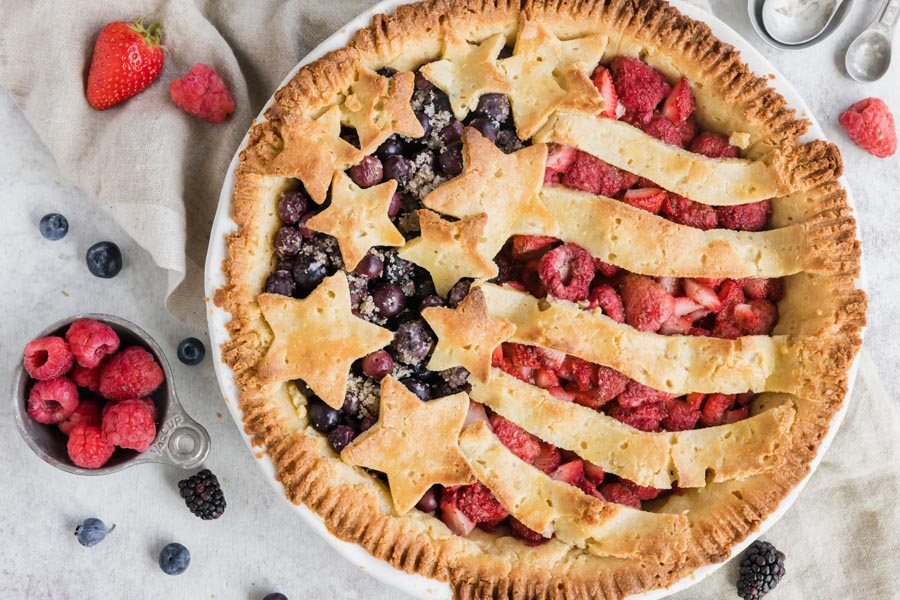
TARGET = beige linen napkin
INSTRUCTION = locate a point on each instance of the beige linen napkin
(155, 169)
(158, 172)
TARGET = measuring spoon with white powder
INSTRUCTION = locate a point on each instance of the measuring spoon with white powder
(794, 22)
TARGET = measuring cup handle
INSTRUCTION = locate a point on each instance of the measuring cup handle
(889, 14)
(181, 441)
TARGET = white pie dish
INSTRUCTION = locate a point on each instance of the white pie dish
(217, 318)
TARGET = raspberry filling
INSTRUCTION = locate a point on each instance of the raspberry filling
(390, 291)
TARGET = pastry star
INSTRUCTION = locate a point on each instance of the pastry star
(313, 150)
(450, 251)
(358, 218)
(467, 335)
(548, 74)
(317, 339)
(378, 106)
(467, 71)
(414, 443)
(503, 186)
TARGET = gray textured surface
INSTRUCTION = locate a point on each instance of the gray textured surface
(259, 545)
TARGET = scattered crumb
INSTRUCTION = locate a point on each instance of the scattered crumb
(219, 415)
(64, 293)
(259, 454)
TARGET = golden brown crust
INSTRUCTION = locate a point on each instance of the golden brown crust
(356, 507)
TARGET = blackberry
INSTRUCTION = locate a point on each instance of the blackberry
(203, 495)
(762, 567)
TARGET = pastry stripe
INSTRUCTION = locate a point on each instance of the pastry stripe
(659, 460)
(644, 243)
(556, 508)
(713, 181)
(674, 364)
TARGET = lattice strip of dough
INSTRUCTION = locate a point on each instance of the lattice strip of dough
(644, 243)
(660, 459)
(553, 507)
(713, 181)
(675, 364)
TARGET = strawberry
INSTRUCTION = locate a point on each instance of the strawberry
(680, 103)
(530, 247)
(560, 157)
(713, 145)
(758, 317)
(548, 459)
(603, 82)
(573, 474)
(647, 304)
(620, 494)
(649, 199)
(676, 325)
(127, 59)
(714, 408)
(703, 295)
(520, 442)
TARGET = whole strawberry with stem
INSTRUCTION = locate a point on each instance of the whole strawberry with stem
(127, 59)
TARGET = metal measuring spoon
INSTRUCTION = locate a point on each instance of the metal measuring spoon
(794, 22)
(869, 56)
(755, 12)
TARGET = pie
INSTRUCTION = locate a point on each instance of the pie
(541, 299)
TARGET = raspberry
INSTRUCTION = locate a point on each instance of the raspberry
(202, 93)
(129, 424)
(713, 145)
(619, 493)
(682, 416)
(735, 415)
(640, 86)
(548, 459)
(572, 473)
(580, 372)
(87, 447)
(680, 103)
(87, 412)
(91, 341)
(606, 269)
(567, 272)
(519, 531)
(606, 299)
(714, 408)
(521, 356)
(744, 399)
(52, 400)
(760, 289)
(590, 174)
(530, 247)
(690, 213)
(649, 199)
(647, 304)
(132, 373)
(476, 502)
(520, 442)
(745, 217)
(610, 383)
(87, 377)
(731, 294)
(637, 394)
(758, 317)
(603, 82)
(645, 417)
(151, 406)
(47, 357)
(870, 125)
(671, 133)
(726, 330)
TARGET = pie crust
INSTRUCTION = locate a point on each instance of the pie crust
(736, 475)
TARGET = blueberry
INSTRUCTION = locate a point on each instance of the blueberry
(281, 282)
(397, 167)
(191, 351)
(54, 226)
(340, 436)
(431, 301)
(396, 203)
(377, 364)
(429, 501)
(412, 343)
(275, 596)
(390, 147)
(174, 559)
(369, 267)
(91, 532)
(389, 300)
(425, 120)
(367, 173)
(422, 82)
(494, 107)
(292, 206)
(287, 242)
(486, 127)
(458, 292)
(508, 141)
(321, 416)
(417, 387)
(104, 260)
(451, 158)
(309, 272)
(452, 132)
